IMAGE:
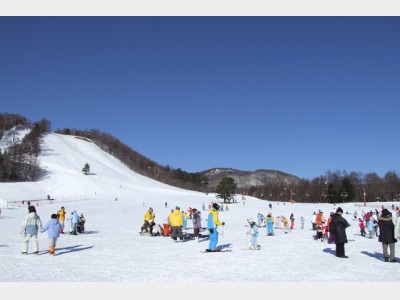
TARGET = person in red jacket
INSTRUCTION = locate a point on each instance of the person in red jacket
(362, 226)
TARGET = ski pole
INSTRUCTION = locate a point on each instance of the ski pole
(222, 234)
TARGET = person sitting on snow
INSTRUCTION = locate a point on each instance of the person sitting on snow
(149, 217)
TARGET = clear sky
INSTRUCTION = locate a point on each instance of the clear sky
(302, 95)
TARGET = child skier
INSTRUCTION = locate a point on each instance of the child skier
(253, 235)
(53, 228)
(269, 220)
(362, 227)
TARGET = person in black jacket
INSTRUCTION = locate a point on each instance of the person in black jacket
(386, 235)
(339, 235)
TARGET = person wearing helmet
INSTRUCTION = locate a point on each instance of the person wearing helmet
(212, 225)
(253, 235)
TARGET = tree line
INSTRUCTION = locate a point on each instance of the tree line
(333, 187)
(19, 161)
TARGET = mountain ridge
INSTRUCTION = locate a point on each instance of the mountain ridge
(248, 179)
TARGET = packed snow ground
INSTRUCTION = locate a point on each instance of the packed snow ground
(114, 199)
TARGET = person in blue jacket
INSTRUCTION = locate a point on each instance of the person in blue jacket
(74, 218)
(212, 225)
(253, 235)
(53, 228)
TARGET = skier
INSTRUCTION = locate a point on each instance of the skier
(362, 227)
(184, 219)
(269, 220)
(212, 225)
(61, 217)
(371, 227)
(53, 228)
(74, 218)
(196, 224)
(260, 218)
(285, 225)
(81, 224)
(302, 222)
(253, 235)
(291, 221)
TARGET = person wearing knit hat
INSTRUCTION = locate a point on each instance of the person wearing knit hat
(212, 224)
(339, 225)
(386, 235)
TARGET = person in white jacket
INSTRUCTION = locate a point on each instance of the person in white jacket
(29, 230)
(253, 235)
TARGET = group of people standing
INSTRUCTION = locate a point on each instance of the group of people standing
(388, 233)
(176, 224)
(32, 225)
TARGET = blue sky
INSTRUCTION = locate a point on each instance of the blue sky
(302, 95)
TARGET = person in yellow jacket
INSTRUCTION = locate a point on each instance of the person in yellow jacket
(285, 225)
(149, 217)
(176, 222)
(212, 223)
(61, 217)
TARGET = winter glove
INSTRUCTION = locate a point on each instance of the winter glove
(223, 223)
(211, 230)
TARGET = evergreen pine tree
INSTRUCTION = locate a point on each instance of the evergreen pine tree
(86, 169)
